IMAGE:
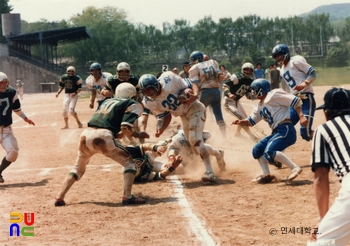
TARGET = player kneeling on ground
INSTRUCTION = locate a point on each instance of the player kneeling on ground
(114, 116)
(147, 168)
(274, 109)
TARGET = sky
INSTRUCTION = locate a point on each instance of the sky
(155, 12)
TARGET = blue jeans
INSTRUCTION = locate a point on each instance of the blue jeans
(212, 97)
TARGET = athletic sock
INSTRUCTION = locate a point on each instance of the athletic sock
(264, 164)
(4, 164)
(281, 157)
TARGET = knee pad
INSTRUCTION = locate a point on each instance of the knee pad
(12, 155)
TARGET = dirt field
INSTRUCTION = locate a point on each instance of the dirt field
(179, 211)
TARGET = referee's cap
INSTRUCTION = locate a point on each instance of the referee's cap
(336, 98)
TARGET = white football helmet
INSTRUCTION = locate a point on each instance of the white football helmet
(247, 70)
(123, 66)
(3, 76)
(125, 91)
(71, 68)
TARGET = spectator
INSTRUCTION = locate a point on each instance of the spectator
(226, 73)
(186, 67)
(19, 85)
(259, 73)
(267, 72)
(275, 77)
(175, 70)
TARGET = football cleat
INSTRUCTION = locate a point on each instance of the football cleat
(209, 177)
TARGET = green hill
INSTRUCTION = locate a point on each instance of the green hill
(336, 11)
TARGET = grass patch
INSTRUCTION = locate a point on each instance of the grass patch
(332, 76)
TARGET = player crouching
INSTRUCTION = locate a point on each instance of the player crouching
(114, 115)
(274, 108)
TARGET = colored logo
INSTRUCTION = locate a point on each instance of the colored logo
(27, 230)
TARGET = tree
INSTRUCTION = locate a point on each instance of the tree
(319, 31)
(111, 36)
(345, 31)
(204, 37)
(227, 33)
(337, 55)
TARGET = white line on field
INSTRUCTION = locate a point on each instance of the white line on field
(45, 171)
(196, 224)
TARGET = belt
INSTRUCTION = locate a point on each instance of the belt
(285, 121)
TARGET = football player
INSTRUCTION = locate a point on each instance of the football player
(71, 84)
(96, 81)
(123, 74)
(234, 89)
(114, 118)
(161, 98)
(206, 75)
(273, 107)
(9, 103)
(299, 75)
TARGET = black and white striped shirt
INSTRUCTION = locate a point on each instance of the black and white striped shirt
(331, 146)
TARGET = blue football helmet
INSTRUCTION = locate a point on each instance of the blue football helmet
(195, 57)
(283, 51)
(149, 86)
(260, 87)
(95, 65)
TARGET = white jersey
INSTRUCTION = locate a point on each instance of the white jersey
(205, 74)
(274, 109)
(167, 101)
(92, 84)
(180, 143)
(295, 72)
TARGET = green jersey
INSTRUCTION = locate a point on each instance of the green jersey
(8, 102)
(70, 83)
(114, 113)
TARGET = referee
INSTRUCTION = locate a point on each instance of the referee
(331, 149)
